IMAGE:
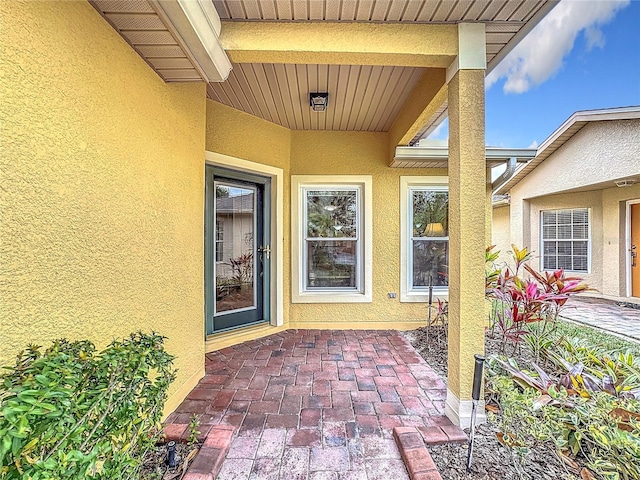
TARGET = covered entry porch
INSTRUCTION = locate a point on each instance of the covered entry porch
(314, 404)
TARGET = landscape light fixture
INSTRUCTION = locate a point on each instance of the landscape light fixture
(318, 101)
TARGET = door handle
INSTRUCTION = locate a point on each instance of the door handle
(266, 250)
(633, 255)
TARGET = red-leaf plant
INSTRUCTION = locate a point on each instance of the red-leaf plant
(521, 302)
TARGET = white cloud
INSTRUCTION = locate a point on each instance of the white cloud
(534, 144)
(595, 37)
(441, 132)
(541, 53)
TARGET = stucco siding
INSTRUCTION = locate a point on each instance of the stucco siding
(581, 173)
(599, 152)
(243, 136)
(608, 250)
(615, 260)
(592, 201)
(360, 153)
(102, 189)
(500, 233)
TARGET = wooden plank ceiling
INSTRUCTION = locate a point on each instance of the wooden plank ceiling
(360, 97)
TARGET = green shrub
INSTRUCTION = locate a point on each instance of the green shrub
(590, 410)
(73, 413)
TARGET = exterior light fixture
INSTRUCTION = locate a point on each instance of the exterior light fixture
(626, 182)
(318, 101)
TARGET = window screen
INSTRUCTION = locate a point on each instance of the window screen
(565, 239)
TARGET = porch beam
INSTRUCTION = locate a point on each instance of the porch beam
(411, 45)
(425, 99)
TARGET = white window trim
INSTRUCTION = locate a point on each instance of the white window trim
(541, 239)
(298, 292)
(407, 183)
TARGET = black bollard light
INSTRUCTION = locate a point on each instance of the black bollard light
(475, 396)
(171, 454)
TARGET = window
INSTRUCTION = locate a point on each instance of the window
(331, 229)
(424, 224)
(219, 241)
(565, 239)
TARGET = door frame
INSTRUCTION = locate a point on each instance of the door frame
(276, 294)
(627, 244)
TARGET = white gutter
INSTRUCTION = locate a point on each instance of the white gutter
(499, 200)
(506, 175)
(493, 154)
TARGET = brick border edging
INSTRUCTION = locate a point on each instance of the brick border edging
(209, 458)
(411, 443)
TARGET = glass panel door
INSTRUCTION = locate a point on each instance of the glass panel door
(235, 216)
(236, 231)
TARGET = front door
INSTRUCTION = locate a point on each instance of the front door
(237, 249)
(635, 249)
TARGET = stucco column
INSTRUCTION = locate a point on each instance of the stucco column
(467, 237)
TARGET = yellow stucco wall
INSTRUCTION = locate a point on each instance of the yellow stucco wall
(238, 134)
(102, 189)
(243, 136)
(593, 158)
(361, 153)
(340, 43)
(591, 200)
(615, 260)
(500, 233)
(427, 96)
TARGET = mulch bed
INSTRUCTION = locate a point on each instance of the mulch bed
(491, 460)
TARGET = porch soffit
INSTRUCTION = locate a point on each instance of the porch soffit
(362, 97)
(367, 85)
(142, 28)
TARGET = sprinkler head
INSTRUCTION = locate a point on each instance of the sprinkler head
(171, 454)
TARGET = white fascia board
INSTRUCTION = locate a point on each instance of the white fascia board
(583, 116)
(197, 25)
(523, 32)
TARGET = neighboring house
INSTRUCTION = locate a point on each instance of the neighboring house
(120, 118)
(576, 205)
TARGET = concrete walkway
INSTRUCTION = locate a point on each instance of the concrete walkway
(313, 404)
(605, 315)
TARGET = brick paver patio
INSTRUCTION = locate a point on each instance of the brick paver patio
(314, 404)
(606, 315)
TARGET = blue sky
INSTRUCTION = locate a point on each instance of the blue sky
(584, 55)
